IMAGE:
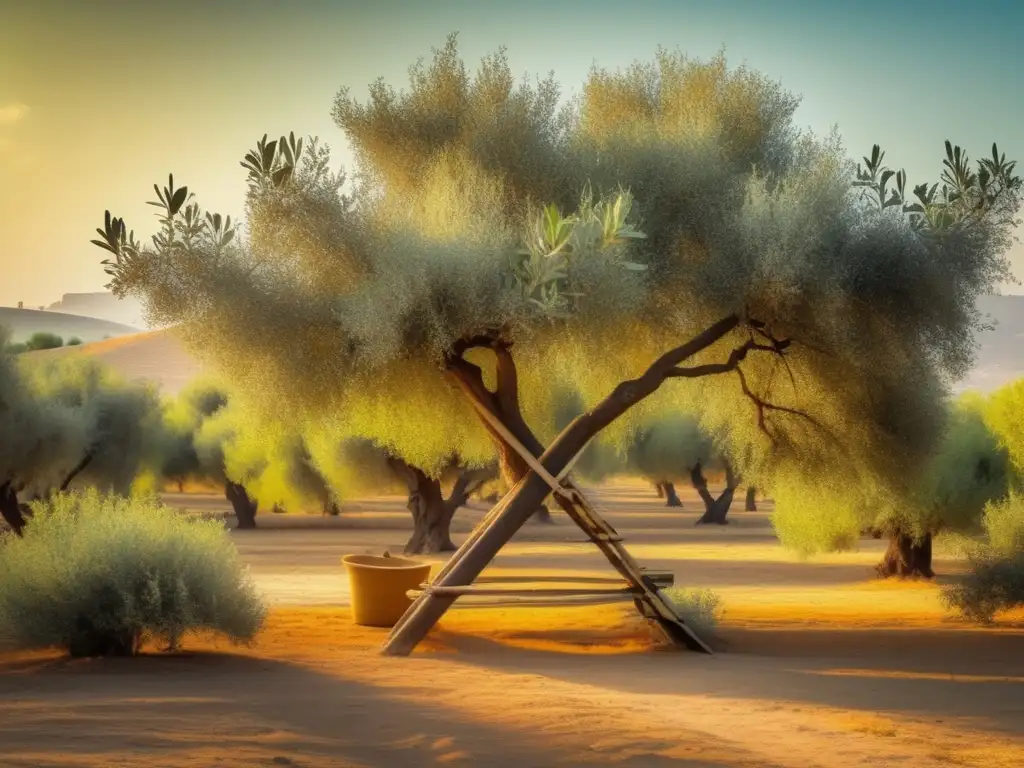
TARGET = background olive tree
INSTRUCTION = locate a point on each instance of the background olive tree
(70, 423)
(967, 470)
(670, 223)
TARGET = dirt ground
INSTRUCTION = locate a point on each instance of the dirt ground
(820, 667)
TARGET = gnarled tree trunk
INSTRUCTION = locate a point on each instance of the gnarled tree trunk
(715, 510)
(431, 512)
(659, 488)
(671, 497)
(243, 504)
(751, 504)
(11, 509)
(907, 557)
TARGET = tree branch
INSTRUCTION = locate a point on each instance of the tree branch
(508, 381)
(86, 460)
(763, 405)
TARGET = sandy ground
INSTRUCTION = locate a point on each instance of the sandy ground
(820, 666)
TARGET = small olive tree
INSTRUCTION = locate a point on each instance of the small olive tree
(357, 466)
(967, 471)
(669, 224)
(70, 423)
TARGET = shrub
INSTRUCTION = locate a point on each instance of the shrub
(98, 574)
(74, 341)
(700, 608)
(43, 340)
(995, 581)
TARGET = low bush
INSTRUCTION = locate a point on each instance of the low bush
(699, 608)
(74, 341)
(44, 340)
(97, 575)
(995, 582)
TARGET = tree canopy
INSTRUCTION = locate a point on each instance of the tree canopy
(671, 222)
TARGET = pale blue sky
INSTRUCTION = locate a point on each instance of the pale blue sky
(99, 100)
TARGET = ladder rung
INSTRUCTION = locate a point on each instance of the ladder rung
(536, 592)
(472, 601)
(658, 577)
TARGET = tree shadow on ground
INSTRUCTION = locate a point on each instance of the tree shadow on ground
(941, 674)
(229, 710)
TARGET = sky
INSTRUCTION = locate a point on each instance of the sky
(101, 99)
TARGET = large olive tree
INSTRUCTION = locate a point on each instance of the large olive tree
(671, 223)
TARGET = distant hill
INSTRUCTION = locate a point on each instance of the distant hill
(102, 305)
(156, 356)
(160, 357)
(24, 322)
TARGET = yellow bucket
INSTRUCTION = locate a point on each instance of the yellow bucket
(378, 586)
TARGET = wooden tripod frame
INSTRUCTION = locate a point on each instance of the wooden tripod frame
(498, 527)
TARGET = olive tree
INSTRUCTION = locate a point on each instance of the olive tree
(197, 426)
(670, 223)
(70, 423)
(968, 470)
(357, 466)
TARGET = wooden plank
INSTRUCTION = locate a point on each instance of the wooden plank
(472, 589)
(660, 577)
(542, 602)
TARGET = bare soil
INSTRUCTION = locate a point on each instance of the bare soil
(820, 666)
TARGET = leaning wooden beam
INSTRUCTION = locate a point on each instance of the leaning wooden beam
(454, 560)
(477, 553)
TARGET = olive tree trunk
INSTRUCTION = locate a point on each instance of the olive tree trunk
(715, 510)
(907, 557)
(242, 503)
(431, 512)
(11, 509)
(751, 504)
(671, 497)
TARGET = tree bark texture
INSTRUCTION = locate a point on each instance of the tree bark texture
(671, 497)
(715, 510)
(243, 504)
(431, 512)
(10, 508)
(907, 557)
(659, 488)
(751, 504)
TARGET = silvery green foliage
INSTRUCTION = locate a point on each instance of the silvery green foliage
(699, 608)
(40, 440)
(668, 447)
(965, 472)
(183, 417)
(124, 435)
(61, 411)
(995, 581)
(480, 208)
(106, 565)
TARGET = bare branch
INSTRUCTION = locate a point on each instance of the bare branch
(74, 472)
(763, 406)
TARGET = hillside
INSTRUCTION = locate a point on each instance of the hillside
(156, 356)
(24, 322)
(102, 305)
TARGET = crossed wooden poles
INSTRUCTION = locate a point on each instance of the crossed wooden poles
(497, 528)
